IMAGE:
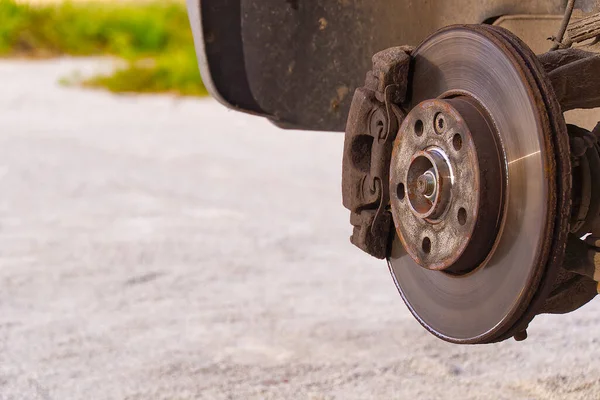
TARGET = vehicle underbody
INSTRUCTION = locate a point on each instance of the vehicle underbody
(460, 168)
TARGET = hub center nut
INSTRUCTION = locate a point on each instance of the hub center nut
(448, 175)
(428, 180)
(427, 184)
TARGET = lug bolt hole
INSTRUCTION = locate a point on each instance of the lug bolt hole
(400, 191)
(419, 127)
(440, 123)
(457, 142)
(426, 245)
(462, 216)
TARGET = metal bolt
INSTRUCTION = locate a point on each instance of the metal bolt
(520, 336)
(426, 183)
(426, 191)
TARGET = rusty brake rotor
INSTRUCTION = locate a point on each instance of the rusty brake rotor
(475, 185)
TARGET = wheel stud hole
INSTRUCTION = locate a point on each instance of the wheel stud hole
(419, 127)
(400, 191)
(439, 123)
(462, 216)
(457, 142)
(426, 246)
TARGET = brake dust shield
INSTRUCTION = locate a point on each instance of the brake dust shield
(517, 130)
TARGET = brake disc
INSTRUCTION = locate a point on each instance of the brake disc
(479, 185)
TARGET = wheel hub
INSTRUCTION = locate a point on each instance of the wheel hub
(447, 152)
(428, 183)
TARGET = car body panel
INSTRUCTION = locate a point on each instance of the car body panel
(298, 62)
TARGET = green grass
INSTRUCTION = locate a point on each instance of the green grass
(153, 37)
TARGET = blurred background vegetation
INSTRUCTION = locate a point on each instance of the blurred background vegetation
(153, 37)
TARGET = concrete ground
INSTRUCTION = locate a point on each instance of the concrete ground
(161, 248)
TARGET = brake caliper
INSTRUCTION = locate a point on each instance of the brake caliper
(375, 116)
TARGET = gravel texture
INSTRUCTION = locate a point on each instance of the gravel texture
(153, 247)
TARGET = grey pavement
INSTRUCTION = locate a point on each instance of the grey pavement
(154, 247)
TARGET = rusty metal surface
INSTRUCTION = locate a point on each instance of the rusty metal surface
(370, 131)
(570, 292)
(578, 280)
(585, 154)
(584, 28)
(298, 62)
(576, 84)
(561, 58)
(486, 304)
(585, 118)
(576, 283)
(459, 224)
